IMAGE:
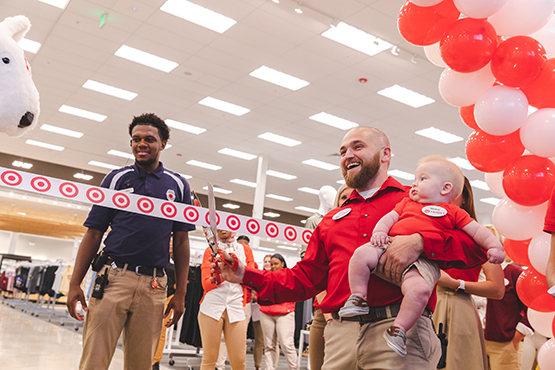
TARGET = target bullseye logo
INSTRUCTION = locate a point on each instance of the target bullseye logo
(207, 218)
(145, 205)
(121, 200)
(191, 214)
(253, 227)
(306, 236)
(290, 233)
(233, 222)
(95, 195)
(40, 184)
(272, 230)
(11, 178)
(169, 210)
(68, 190)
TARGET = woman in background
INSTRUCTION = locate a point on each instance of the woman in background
(278, 323)
(456, 310)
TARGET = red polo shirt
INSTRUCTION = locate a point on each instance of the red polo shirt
(326, 262)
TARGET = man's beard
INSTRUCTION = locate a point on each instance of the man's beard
(368, 171)
(145, 163)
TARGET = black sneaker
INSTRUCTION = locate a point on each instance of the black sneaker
(156, 366)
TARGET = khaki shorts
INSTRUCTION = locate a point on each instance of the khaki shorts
(428, 269)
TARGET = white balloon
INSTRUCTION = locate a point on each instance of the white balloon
(495, 183)
(433, 55)
(426, 3)
(517, 222)
(501, 110)
(522, 17)
(546, 37)
(541, 322)
(463, 89)
(546, 355)
(538, 133)
(539, 250)
(479, 8)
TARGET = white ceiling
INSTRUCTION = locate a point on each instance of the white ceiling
(75, 49)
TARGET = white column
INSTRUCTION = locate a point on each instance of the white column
(260, 192)
(14, 240)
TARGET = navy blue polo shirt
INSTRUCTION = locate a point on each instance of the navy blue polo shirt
(134, 238)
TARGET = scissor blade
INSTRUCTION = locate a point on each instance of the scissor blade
(212, 214)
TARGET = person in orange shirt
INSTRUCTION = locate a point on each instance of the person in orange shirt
(221, 309)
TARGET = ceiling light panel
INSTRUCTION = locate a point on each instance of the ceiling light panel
(279, 197)
(22, 164)
(288, 248)
(207, 166)
(439, 135)
(109, 90)
(333, 121)
(406, 96)
(57, 3)
(462, 163)
(306, 209)
(319, 164)
(224, 106)
(184, 127)
(29, 45)
(198, 15)
(401, 174)
(231, 206)
(272, 214)
(280, 175)
(279, 139)
(117, 153)
(82, 176)
(146, 59)
(279, 78)
(237, 154)
(356, 39)
(309, 190)
(61, 131)
(82, 113)
(104, 165)
(250, 184)
(492, 201)
(219, 190)
(44, 145)
(479, 184)
(186, 176)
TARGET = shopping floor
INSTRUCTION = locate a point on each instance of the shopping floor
(29, 343)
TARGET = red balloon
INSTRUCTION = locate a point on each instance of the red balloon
(531, 288)
(529, 180)
(517, 250)
(537, 90)
(518, 61)
(489, 153)
(468, 44)
(467, 115)
(425, 25)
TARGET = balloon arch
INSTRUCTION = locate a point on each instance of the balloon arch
(499, 60)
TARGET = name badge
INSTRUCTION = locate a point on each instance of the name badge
(434, 211)
(339, 215)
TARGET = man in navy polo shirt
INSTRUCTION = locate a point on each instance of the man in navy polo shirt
(138, 250)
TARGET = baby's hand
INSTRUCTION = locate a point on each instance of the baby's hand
(379, 238)
(496, 255)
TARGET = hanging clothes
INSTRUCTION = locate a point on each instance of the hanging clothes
(190, 331)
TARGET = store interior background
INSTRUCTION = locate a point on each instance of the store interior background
(78, 43)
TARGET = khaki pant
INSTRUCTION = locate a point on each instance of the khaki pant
(316, 340)
(282, 328)
(222, 356)
(131, 306)
(350, 346)
(258, 344)
(162, 342)
(503, 355)
(211, 333)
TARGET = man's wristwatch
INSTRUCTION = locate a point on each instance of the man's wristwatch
(461, 287)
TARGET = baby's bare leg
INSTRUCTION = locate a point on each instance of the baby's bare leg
(416, 293)
(362, 263)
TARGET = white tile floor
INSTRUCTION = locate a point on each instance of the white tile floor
(30, 343)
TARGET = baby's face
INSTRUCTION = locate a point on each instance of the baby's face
(428, 183)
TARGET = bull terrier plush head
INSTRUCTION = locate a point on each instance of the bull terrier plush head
(19, 98)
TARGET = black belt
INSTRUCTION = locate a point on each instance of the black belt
(378, 313)
(139, 270)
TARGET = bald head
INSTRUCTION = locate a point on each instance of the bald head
(377, 137)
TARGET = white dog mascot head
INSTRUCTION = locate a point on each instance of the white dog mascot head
(19, 98)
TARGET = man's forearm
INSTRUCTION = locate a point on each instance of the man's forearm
(87, 250)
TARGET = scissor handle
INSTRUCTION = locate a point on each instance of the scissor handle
(234, 265)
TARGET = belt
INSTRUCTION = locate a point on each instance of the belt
(378, 313)
(139, 270)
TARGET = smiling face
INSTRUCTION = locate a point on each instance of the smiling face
(431, 184)
(276, 264)
(146, 146)
(267, 264)
(365, 156)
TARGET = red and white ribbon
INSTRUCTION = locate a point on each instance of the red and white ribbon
(154, 207)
